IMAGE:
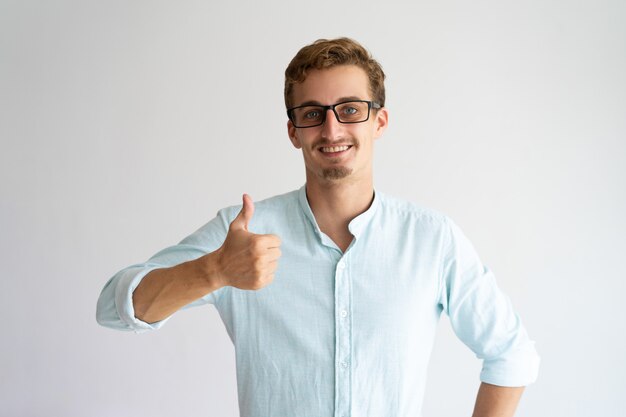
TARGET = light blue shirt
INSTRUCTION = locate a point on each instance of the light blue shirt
(347, 334)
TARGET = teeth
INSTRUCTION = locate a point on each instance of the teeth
(335, 149)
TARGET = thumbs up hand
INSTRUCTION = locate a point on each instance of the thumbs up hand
(247, 260)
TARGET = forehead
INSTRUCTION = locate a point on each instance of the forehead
(327, 86)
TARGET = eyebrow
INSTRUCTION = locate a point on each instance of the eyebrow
(341, 100)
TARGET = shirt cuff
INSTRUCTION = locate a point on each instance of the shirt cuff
(516, 369)
(124, 299)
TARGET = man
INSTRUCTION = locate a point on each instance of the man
(331, 293)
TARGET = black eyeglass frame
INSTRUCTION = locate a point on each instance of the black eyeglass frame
(370, 105)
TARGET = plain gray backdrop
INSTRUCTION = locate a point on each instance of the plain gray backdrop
(126, 125)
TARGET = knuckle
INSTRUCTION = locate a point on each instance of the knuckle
(260, 283)
(258, 267)
(257, 245)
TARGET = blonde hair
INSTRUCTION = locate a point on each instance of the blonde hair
(328, 53)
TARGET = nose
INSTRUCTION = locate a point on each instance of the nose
(331, 127)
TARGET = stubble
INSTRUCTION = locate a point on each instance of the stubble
(336, 173)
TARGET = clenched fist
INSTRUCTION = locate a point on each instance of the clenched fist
(247, 260)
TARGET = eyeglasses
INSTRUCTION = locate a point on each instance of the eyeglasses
(355, 111)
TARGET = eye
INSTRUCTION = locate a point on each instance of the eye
(349, 110)
(312, 114)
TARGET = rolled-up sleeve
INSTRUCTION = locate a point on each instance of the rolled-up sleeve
(115, 304)
(483, 317)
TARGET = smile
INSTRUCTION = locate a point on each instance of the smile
(334, 150)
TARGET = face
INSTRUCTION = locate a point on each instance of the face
(337, 151)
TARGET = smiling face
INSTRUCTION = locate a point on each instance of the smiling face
(337, 151)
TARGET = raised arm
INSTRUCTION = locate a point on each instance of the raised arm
(245, 260)
(141, 297)
(164, 291)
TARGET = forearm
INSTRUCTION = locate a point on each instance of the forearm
(164, 291)
(496, 401)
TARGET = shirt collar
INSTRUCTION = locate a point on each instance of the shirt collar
(356, 226)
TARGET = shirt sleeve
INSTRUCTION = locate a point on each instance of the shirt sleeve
(483, 317)
(115, 304)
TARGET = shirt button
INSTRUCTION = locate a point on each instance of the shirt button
(344, 364)
(344, 313)
(341, 265)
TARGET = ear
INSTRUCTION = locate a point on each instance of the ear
(381, 122)
(291, 131)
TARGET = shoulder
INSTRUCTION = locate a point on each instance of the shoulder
(280, 203)
(407, 211)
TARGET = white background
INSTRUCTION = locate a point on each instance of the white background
(125, 126)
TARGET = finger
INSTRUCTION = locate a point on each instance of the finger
(273, 254)
(270, 241)
(272, 267)
(269, 267)
(245, 215)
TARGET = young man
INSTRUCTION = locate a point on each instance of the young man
(331, 293)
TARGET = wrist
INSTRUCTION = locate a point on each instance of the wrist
(211, 271)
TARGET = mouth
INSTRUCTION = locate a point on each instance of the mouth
(334, 151)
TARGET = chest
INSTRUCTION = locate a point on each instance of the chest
(376, 288)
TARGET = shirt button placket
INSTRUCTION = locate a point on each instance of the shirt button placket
(343, 340)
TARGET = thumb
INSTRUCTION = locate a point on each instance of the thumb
(245, 215)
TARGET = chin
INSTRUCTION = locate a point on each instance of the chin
(336, 173)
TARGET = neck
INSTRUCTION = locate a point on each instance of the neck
(335, 203)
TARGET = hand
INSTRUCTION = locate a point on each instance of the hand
(247, 260)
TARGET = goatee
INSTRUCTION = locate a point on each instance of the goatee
(336, 173)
